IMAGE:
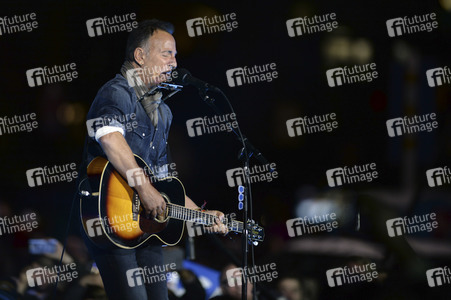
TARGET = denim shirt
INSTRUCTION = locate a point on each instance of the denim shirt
(116, 104)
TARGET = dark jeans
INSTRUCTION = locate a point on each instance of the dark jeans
(114, 264)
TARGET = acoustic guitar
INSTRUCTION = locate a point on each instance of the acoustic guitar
(112, 215)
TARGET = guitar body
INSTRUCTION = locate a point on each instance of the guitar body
(112, 216)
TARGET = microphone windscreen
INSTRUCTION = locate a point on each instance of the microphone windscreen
(178, 76)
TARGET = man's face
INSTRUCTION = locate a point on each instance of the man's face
(159, 60)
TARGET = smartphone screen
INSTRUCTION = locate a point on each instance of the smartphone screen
(42, 246)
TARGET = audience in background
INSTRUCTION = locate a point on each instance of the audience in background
(291, 288)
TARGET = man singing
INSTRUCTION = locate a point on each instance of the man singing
(151, 50)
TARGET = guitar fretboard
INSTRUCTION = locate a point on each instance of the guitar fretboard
(199, 217)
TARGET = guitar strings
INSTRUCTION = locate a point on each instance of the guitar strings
(179, 212)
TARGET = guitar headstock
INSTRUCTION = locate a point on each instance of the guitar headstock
(256, 233)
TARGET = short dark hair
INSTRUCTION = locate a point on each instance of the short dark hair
(139, 36)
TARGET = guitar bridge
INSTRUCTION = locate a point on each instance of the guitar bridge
(135, 207)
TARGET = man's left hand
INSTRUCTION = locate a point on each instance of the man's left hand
(220, 227)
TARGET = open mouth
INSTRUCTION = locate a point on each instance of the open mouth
(166, 75)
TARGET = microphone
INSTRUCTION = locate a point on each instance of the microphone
(183, 77)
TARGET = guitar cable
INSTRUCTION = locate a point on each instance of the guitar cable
(65, 239)
(70, 218)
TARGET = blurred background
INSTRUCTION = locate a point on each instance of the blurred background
(262, 110)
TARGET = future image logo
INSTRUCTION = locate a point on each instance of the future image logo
(438, 176)
(347, 175)
(214, 124)
(409, 125)
(124, 123)
(310, 225)
(308, 125)
(248, 75)
(138, 176)
(309, 25)
(258, 173)
(411, 225)
(209, 25)
(18, 223)
(18, 123)
(148, 275)
(55, 74)
(348, 75)
(49, 275)
(108, 25)
(348, 275)
(438, 276)
(408, 25)
(438, 76)
(18, 23)
(254, 274)
(56, 173)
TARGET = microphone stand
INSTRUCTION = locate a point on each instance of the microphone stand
(245, 154)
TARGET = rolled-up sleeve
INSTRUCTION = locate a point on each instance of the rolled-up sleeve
(109, 112)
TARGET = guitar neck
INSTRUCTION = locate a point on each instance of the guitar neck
(187, 214)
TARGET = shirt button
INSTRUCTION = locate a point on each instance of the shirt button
(153, 147)
(144, 134)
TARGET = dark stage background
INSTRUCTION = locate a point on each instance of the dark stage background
(263, 109)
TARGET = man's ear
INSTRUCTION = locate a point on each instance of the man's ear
(139, 55)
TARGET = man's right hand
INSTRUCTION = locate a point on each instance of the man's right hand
(151, 199)
(121, 156)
